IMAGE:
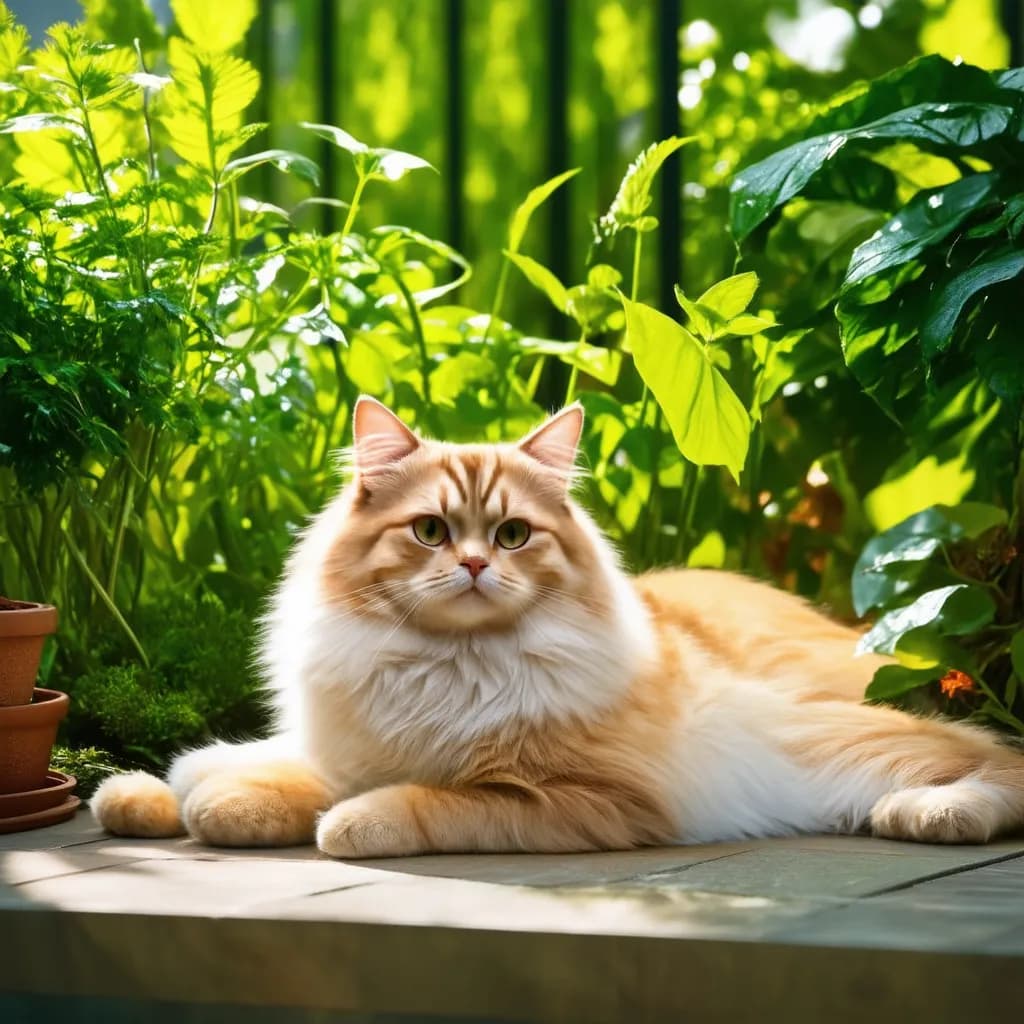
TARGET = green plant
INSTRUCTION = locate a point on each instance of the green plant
(922, 165)
(89, 765)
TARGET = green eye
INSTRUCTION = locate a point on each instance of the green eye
(513, 534)
(430, 530)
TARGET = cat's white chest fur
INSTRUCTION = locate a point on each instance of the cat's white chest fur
(370, 703)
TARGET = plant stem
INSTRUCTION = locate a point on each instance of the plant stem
(354, 207)
(421, 345)
(105, 597)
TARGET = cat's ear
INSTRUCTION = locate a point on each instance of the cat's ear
(380, 438)
(555, 441)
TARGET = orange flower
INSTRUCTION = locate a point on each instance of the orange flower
(955, 681)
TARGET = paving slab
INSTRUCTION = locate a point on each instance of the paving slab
(807, 928)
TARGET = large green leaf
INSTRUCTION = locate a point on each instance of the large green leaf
(883, 571)
(948, 302)
(1017, 653)
(931, 216)
(526, 209)
(763, 187)
(947, 611)
(206, 103)
(214, 28)
(895, 680)
(707, 420)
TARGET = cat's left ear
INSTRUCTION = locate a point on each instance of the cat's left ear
(555, 441)
(380, 437)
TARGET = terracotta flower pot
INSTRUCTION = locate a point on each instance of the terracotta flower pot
(24, 627)
(27, 734)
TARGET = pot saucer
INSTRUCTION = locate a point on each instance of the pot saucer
(54, 791)
(51, 816)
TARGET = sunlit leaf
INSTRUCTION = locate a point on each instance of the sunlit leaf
(214, 28)
(540, 277)
(707, 420)
(730, 297)
(283, 159)
(526, 209)
(634, 194)
(42, 123)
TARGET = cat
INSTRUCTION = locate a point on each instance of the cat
(458, 664)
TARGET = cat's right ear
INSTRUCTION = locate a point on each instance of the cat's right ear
(380, 438)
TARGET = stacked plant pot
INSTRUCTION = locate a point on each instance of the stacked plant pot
(31, 795)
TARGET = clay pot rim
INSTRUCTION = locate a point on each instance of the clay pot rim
(46, 706)
(55, 781)
(28, 618)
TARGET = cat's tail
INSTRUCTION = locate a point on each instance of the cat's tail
(139, 805)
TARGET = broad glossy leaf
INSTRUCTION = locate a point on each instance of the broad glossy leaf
(895, 680)
(215, 28)
(730, 297)
(948, 302)
(948, 611)
(763, 187)
(283, 159)
(526, 209)
(882, 572)
(928, 218)
(540, 277)
(708, 421)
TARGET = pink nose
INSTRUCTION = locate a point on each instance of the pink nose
(475, 564)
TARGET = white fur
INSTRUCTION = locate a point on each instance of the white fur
(733, 776)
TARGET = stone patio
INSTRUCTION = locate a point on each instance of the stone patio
(94, 928)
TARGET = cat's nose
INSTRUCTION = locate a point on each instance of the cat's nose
(475, 564)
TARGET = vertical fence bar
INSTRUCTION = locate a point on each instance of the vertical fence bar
(261, 47)
(454, 135)
(670, 242)
(1011, 13)
(326, 46)
(559, 210)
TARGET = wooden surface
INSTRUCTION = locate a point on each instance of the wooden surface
(810, 928)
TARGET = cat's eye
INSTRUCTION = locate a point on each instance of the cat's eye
(513, 533)
(430, 530)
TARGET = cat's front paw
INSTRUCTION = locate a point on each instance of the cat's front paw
(376, 824)
(235, 812)
(934, 814)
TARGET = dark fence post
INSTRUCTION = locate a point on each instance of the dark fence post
(1011, 14)
(670, 240)
(259, 49)
(559, 209)
(327, 95)
(454, 136)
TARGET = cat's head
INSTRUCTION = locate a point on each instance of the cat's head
(455, 538)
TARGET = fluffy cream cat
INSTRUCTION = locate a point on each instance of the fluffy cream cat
(459, 664)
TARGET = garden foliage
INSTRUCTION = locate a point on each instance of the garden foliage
(179, 358)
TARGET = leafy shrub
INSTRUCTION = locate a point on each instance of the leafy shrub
(89, 765)
(924, 164)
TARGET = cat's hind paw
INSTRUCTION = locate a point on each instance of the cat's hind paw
(934, 814)
(137, 804)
